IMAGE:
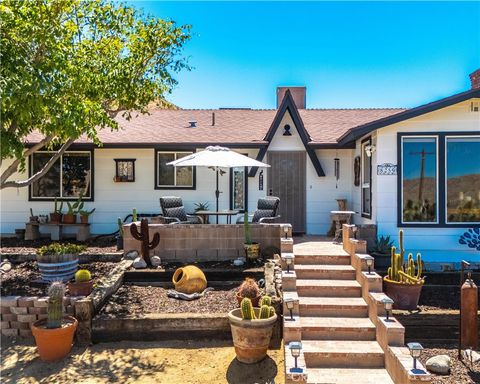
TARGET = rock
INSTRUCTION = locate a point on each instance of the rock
(439, 364)
(131, 255)
(139, 263)
(5, 266)
(471, 356)
(156, 261)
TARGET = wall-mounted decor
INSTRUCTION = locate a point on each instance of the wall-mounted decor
(124, 170)
(386, 169)
(260, 181)
(336, 170)
(356, 171)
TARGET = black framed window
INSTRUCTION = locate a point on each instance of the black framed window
(439, 179)
(239, 188)
(169, 177)
(366, 173)
(68, 178)
(125, 170)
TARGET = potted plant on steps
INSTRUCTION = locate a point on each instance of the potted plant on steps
(252, 329)
(54, 335)
(381, 252)
(249, 289)
(84, 215)
(252, 249)
(403, 284)
(83, 284)
(56, 215)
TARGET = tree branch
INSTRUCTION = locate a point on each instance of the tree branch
(39, 174)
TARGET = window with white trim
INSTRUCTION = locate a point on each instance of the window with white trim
(168, 176)
(68, 178)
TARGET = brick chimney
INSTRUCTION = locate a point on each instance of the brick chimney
(475, 79)
(299, 95)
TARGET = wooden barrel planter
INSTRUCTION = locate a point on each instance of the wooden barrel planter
(57, 267)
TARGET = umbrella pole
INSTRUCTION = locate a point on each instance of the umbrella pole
(217, 192)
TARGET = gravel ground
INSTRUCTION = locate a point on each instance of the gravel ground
(136, 300)
(100, 245)
(20, 279)
(460, 373)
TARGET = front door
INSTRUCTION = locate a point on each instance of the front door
(286, 180)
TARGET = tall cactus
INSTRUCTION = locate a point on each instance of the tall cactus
(56, 291)
(247, 228)
(410, 273)
(266, 300)
(134, 215)
(264, 312)
(144, 237)
(246, 308)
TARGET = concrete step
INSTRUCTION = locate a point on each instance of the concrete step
(342, 354)
(327, 271)
(337, 328)
(328, 288)
(333, 306)
(319, 259)
(348, 375)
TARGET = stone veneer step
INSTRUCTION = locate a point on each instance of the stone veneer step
(328, 271)
(316, 259)
(333, 306)
(348, 375)
(342, 354)
(328, 288)
(337, 328)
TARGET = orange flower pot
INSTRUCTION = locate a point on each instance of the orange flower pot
(54, 344)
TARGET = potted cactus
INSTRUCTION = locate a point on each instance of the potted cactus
(249, 289)
(73, 209)
(83, 284)
(58, 262)
(403, 283)
(84, 215)
(54, 335)
(252, 249)
(381, 252)
(56, 215)
(252, 329)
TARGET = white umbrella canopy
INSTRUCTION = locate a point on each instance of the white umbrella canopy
(217, 157)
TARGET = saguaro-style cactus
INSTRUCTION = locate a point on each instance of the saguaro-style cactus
(55, 305)
(408, 274)
(144, 237)
(246, 308)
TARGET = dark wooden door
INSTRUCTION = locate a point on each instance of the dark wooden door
(287, 179)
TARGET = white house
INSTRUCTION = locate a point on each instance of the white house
(417, 169)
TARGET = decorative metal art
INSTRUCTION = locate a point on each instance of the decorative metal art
(337, 170)
(471, 238)
(260, 181)
(386, 169)
(356, 171)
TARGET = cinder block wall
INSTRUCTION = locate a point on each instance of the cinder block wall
(204, 242)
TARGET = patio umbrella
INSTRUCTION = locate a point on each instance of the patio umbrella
(217, 157)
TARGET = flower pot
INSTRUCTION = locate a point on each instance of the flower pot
(119, 240)
(55, 217)
(69, 219)
(255, 300)
(382, 261)
(404, 296)
(251, 337)
(57, 267)
(84, 219)
(189, 279)
(83, 288)
(54, 344)
(252, 251)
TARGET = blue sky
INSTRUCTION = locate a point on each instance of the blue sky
(348, 54)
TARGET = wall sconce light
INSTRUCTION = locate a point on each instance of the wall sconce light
(286, 130)
(370, 150)
(415, 351)
(388, 305)
(295, 349)
(290, 303)
(289, 261)
(369, 260)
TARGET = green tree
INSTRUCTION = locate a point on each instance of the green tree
(69, 67)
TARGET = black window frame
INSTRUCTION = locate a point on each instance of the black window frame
(92, 177)
(173, 150)
(366, 141)
(124, 161)
(441, 180)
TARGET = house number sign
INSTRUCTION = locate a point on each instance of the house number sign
(386, 169)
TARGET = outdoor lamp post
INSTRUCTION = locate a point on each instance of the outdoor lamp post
(369, 260)
(285, 230)
(415, 351)
(295, 349)
(289, 302)
(289, 261)
(388, 305)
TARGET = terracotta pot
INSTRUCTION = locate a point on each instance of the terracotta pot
(255, 300)
(69, 219)
(84, 219)
(54, 344)
(189, 279)
(404, 296)
(251, 337)
(55, 217)
(252, 251)
(83, 288)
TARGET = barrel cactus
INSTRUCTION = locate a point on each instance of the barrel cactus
(83, 275)
(246, 308)
(411, 272)
(56, 291)
(249, 288)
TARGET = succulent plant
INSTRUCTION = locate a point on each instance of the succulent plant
(120, 227)
(83, 275)
(249, 288)
(56, 291)
(134, 215)
(247, 228)
(382, 245)
(266, 300)
(411, 273)
(264, 312)
(60, 249)
(246, 309)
